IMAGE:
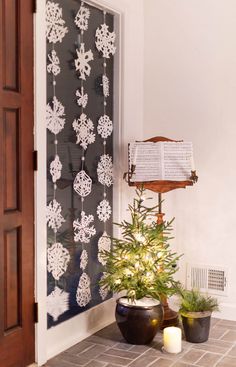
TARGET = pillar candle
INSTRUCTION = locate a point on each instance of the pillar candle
(172, 337)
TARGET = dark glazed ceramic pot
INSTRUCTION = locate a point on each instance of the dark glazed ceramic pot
(138, 324)
(196, 326)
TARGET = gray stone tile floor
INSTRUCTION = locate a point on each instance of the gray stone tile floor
(107, 348)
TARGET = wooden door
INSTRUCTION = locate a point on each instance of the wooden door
(16, 184)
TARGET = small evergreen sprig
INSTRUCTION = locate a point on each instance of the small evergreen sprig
(141, 262)
(194, 301)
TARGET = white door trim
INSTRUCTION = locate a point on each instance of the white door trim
(41, 333)
(40, 184)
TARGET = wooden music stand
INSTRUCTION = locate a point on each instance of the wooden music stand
(160, 187)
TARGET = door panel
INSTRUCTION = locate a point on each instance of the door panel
(12, 273)
(11, 158)
(10, 39)
(16, 184)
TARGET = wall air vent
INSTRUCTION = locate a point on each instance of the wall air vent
(210, 279)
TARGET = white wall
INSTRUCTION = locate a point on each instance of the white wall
(190, 94)
(59, 338)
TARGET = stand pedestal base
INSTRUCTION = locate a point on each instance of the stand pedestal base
(171, 317)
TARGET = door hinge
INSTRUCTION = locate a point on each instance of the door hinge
(34, 6)
(35, 160)
(36, 312)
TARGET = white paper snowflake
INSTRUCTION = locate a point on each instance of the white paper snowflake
(105, 126)
(83, 260)
(81, 19)
(55, 25)
(82, 184)
(104, 210)
(83, 97)
(55, 168)
(58, 259)
(57, 303)
(84, 131)
(54, 66)
(53, 215)
(104, 244)
(103, 290)
(104, 170)
(83, 294)
(82, 62)
(82, 229)
(54, 116)
(105, 41)
(105, 85)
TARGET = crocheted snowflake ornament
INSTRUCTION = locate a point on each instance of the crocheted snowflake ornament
(105, 85)
(84, 131)
(54, 65)
(82, 229)
(57, 303)
(83, 294)
(104, 210)
(104, 244)
(105, 41)
(105, 126)
(83, 97)
(104, 170)
(82, 184)
(58, 259)
(54, 116)
(103, 290)
(82, 62)
(55, 168)
(81, 19)
(53, 215)
(83, 260)
(55, 25)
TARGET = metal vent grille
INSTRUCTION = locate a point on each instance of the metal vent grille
(207, 278)
(216, 279)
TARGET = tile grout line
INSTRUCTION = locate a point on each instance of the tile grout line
(181, 356)
(226, 331)
(85, 350)
(224, 355)
(141, 355)
(195, 363)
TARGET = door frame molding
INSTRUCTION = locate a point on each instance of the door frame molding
(40, 182)
(42, 337)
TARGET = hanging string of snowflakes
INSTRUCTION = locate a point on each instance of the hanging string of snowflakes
(84, 129)
(105, 44)
(57, 255)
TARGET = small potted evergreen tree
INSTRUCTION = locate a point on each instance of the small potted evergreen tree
(195, 311)
(141, 264)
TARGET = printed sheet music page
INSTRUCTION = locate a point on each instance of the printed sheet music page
(172, 161)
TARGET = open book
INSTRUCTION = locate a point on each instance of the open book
(172, 161)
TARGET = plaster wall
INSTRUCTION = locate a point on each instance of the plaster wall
(189, 94)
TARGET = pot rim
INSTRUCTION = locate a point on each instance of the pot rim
(148, 307)
(196, 314)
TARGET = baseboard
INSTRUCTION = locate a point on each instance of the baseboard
(71, 332)
(227, 311)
